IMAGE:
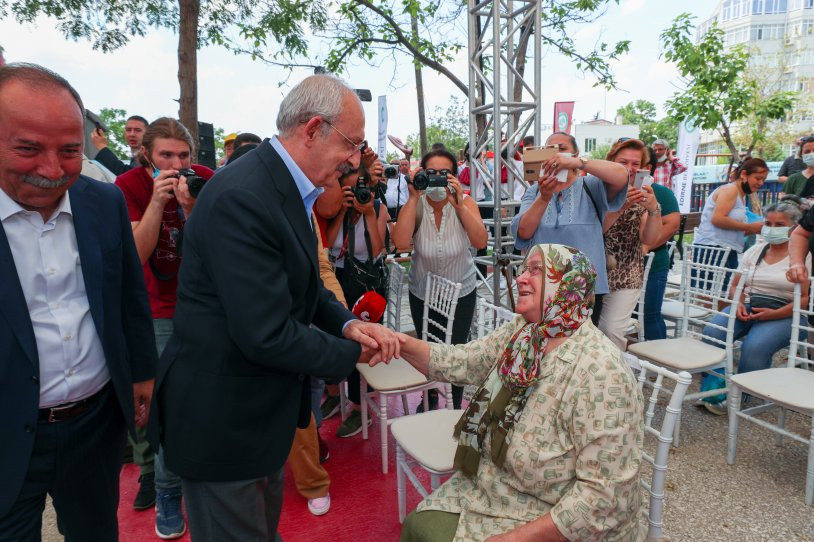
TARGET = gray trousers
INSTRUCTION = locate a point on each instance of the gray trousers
(242, 511)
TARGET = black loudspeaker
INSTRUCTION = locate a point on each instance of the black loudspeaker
(206, 145)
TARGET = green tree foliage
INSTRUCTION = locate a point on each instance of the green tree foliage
(718, 91)
(114, 120)
(643, 113)
(601, 151)
(367, 29)
(245, 26)
(449, 126)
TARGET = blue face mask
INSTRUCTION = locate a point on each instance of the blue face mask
(808, 159)
(775, 235)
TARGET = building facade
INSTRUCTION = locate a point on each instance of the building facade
(779, 36)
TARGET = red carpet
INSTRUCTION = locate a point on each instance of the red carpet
(363, 500)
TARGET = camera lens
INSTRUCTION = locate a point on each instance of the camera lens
(391, 172)
(421, 180)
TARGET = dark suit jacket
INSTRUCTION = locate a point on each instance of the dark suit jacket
(112, 162)
(120, 311)
(233, 381)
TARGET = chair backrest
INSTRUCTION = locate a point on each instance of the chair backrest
(802, 331)
(648, 262)
(662, 435)
(392, 316)
(489, 318)
(441, 297)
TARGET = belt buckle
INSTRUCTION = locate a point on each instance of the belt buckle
(55, 410)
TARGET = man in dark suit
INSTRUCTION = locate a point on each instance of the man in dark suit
(134, 129)
(253, 321)
(78, 353)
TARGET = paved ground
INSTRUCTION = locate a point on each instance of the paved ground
(760, 498)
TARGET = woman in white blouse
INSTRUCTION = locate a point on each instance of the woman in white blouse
(765, 311)
(448, 225)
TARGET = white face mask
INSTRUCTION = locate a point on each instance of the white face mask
(776, 235)
(808, 159)
(436, 193)
(662, 158)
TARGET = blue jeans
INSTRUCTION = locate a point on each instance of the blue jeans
(654, 326)
(761, 339)
(317, 387)
(164, 478)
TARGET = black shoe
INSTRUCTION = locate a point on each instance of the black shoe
(145, 498)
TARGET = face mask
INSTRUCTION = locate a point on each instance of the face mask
(808, 159)
(746, 188)
(775, 235)
(662, 158)
(437, 193)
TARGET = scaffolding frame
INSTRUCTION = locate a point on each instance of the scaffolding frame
(495, 28)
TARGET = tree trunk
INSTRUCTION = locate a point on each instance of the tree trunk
(727, 137)
(189, 11)
(419, 90)
(520, 66)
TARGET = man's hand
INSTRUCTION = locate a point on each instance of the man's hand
(99, 139)
(797, 273)
(142, 396)
(374, 337)
(185, 199)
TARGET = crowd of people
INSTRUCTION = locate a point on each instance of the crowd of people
(207, 317)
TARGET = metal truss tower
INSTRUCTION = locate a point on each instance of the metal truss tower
(504, 106)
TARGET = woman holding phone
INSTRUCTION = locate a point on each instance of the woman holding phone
(571, 212)
(637, 223)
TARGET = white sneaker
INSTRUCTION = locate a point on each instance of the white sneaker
(320, 505)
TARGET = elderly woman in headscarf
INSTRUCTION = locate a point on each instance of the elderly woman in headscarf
(549, 448)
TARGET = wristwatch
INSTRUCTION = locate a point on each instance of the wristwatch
(657, 211)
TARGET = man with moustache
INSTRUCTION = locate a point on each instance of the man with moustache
(253, 321)
(78, 352)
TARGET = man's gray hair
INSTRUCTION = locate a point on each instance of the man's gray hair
(37, 76)
(315, 96)
(661, 141)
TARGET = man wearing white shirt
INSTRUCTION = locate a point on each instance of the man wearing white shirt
(78, 352)
(397, 193)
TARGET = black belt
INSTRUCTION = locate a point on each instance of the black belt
(69, 411)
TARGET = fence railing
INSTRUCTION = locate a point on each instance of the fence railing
(701, 191)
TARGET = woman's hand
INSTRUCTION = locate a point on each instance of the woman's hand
(546, 185)
(368, 157)
(554, 165)
(410, 187)
(455, 193)
(761, 314)
(377, 172)
(649, 201)
(352, 203)
(742, 314)
(754, 228)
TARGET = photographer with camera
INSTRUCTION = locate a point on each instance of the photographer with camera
(397, 193)
(441, 223)
(358, 232)
(160, 197)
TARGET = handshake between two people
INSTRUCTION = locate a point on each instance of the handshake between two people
(379, 344)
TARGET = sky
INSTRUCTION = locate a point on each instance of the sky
(238, 94)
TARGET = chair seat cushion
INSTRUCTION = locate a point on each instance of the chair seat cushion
(684, 353)
(671, 308)
(396, 375)
(793, 387)
(427, 437)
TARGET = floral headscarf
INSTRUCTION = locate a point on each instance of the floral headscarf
(496, 405)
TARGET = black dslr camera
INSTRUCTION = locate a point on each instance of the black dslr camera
(362, 191)
(391, 172)
(194, 181)
(430, 178)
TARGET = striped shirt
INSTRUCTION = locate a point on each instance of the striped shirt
(442, 251)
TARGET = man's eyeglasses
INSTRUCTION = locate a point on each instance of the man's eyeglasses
(357, 147)
(533, 269)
